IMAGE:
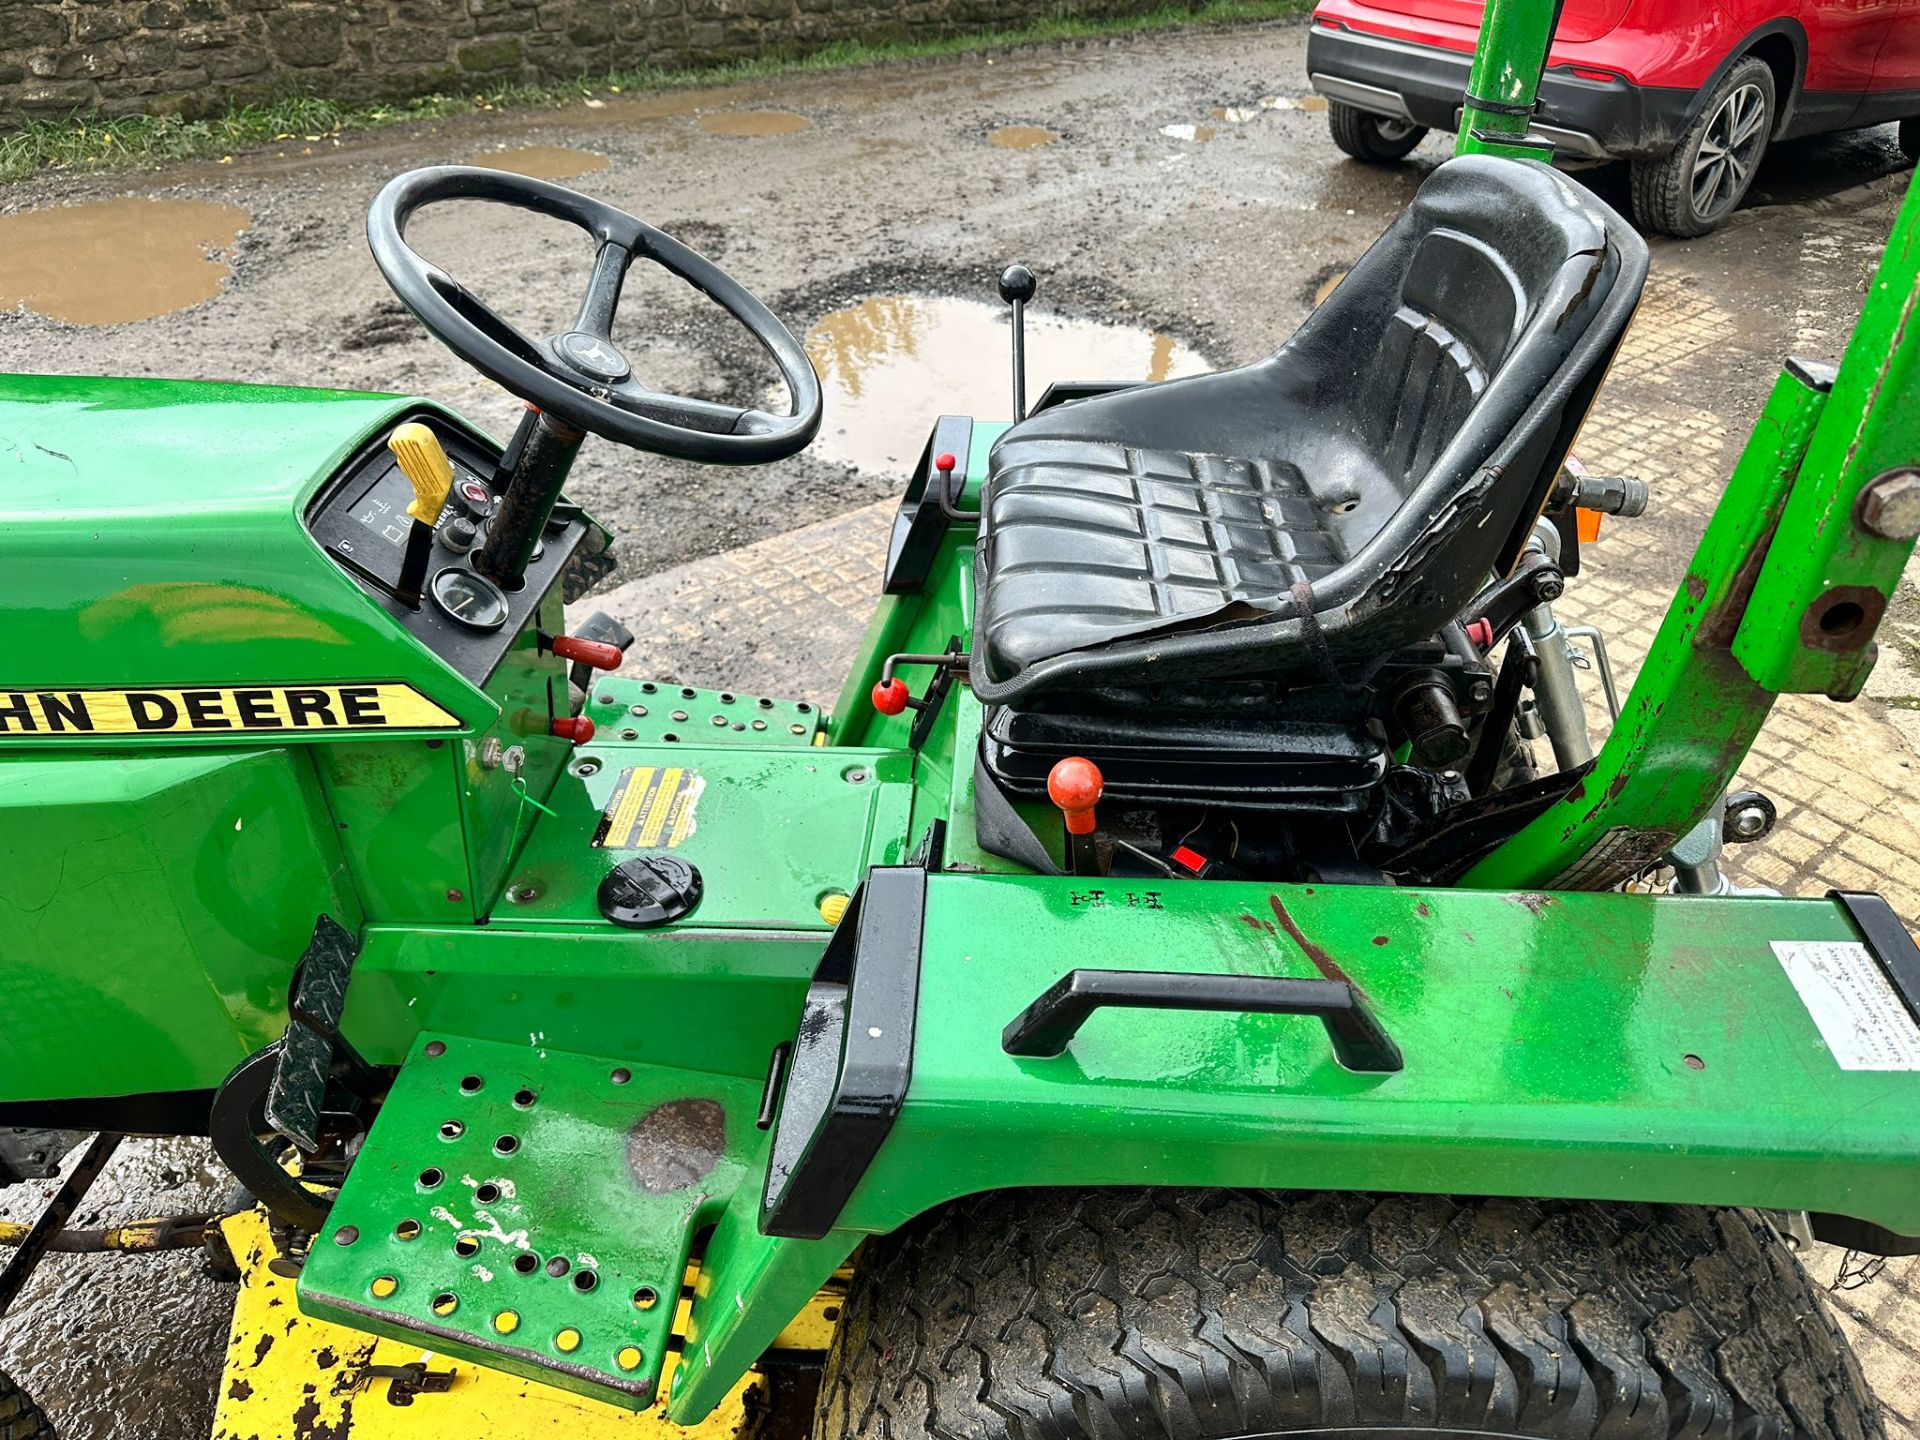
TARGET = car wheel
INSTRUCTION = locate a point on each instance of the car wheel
(1699, 182)
(1910, 136)
(1376, 139)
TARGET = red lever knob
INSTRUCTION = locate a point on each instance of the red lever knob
(1075, 785)
(944, 462)
(890, 696)
(577, 728)
(597, 653)
(1480, 632)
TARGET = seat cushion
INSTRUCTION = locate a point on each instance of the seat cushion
(1094, 542)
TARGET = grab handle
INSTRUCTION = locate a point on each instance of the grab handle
(1045, 1026)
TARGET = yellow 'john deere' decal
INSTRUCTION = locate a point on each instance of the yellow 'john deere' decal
(217, 710)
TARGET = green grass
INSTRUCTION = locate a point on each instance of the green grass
(100, 143)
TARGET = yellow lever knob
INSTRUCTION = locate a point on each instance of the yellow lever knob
(425, 464)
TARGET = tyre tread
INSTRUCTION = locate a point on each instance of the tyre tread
(1201, 1315)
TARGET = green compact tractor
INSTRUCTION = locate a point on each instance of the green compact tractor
(596, 1033)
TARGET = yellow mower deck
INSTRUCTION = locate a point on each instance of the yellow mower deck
(291, 1377)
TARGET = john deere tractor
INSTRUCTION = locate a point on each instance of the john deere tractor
(1200, 980)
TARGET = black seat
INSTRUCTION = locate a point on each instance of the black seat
(1348, 494)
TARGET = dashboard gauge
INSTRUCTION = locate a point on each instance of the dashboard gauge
(469, 599)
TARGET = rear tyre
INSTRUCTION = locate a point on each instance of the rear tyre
(1701, 181)
(1203, 1315)
(1910, 137)
(1376, 139)
(20, 1418)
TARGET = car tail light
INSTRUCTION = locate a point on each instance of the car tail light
(1592, 73)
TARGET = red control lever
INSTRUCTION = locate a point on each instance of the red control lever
(577, 728)
(1074, 785)
(890, 696)
(596, 653)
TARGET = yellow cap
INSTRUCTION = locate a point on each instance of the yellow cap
(833, 909)
(424, 463)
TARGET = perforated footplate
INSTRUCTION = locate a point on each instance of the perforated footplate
(532, 1210)
(658, 712)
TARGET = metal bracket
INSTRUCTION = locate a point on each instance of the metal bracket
(1886, 940)
(54, 1218)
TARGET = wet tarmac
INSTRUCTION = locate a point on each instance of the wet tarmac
(876, 228)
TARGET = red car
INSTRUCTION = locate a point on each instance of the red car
(1689, 92)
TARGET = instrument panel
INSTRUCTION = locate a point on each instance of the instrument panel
(360, 519)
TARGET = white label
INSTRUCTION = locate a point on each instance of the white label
(1864, 1022)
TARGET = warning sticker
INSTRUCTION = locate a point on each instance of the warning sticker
(1862, 1019)
(230, 710)
(652, 808)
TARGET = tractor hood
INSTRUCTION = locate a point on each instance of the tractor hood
(151, 535)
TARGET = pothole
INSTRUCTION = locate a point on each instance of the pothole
(543, 162)
(1022, 137)
(1253, 110)
(752, 123)
(109, 262)
(890, 364)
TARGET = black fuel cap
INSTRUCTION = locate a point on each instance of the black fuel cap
(649, 891)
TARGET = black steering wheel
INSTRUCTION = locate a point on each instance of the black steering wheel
(580, 376)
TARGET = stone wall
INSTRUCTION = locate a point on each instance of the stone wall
(60, 58)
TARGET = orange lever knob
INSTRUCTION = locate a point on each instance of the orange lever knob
(596, 653)
(1074, 785)
(577, 728)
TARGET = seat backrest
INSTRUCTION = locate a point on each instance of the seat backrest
(1442, 344)
(1426, 405)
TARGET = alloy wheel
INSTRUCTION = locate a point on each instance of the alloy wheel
(1729, 150)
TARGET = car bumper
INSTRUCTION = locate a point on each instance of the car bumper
(1585, 119)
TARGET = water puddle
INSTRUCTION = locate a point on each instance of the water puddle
(543, 162)
(1198, 133)
(109, 262)
(1241, 114)
(751, 123)
(890, 364)
(1021, 137)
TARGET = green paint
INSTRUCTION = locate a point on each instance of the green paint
(533, 1210)
(152, 914)
(1693, 711)
(1829, 569)
(1512, 51)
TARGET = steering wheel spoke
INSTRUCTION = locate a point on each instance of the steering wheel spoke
(580, 376)
(610, 265)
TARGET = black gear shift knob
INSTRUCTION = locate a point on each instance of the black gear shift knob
(1017, 284)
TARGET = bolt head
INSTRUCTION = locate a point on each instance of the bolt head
(1890, 505)
(1749, 822)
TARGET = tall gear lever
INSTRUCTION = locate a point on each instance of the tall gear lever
(1017, 287)
(424, 462)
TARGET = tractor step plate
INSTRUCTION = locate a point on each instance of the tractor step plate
(658, 712)
(532, 1210)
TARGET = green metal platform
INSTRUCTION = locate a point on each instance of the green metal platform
(533, 1210)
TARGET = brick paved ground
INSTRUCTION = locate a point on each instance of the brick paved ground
(786, 615)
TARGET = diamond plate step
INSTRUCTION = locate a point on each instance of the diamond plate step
(533, 1210)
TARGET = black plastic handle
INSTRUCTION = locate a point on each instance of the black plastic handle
(1045, 1026)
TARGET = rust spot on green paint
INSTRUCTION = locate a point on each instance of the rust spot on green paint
(1380, 940)
(1317, 954)
(1254, 922)
(1696, 588)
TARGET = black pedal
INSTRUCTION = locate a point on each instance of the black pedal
(313, 1051)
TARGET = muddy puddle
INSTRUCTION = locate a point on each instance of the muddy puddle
(753, 123)
(543, 162)
(891, 364)
(113, 261)
(1253, 110)
(1021, 137)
